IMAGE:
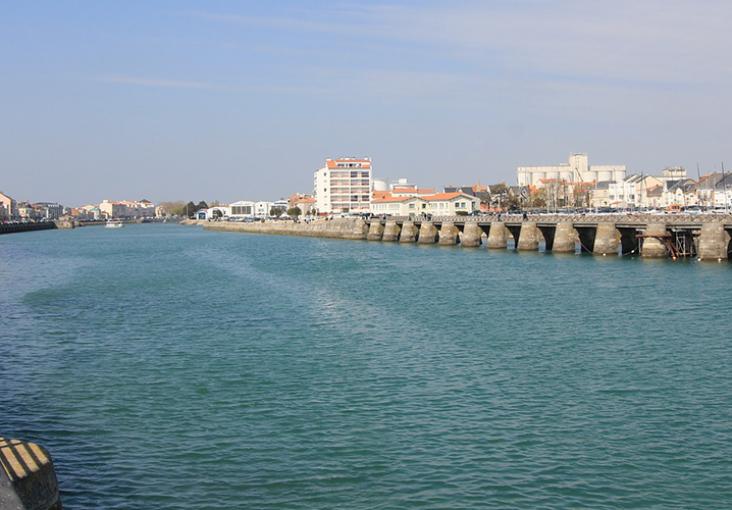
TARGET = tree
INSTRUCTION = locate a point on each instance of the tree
(276, 211)
(190, 209)
(201, 205)
(294, 211)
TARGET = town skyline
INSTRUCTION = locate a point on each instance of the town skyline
(165, 101)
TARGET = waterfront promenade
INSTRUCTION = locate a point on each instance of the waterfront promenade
(706, 237)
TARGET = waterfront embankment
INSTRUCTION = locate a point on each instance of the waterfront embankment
(14, 228)
(337, 228)
(650, 236)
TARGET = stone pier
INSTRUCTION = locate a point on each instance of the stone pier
(449, 234)
(652, 246)
(408, 233)
(391, 231)
(713, 242)
(564, 236)
(498, 235)
(427, 233)
(472, 234)
(607, 239)
(376, 231)
(529, 237)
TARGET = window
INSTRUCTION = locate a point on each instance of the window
(411, 206)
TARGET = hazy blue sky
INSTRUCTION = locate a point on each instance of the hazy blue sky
(243, 100)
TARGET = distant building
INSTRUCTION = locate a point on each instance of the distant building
(262, 209)
(343, 185)
(306, 203)
(49, 210)
(242, 209)
(92, 212)
(8, 207)
(715, 190)
(410, 190)
(27, 212)
(112, 209)
(213, 213)
(127, 209)
(577, 169)
(440, 204)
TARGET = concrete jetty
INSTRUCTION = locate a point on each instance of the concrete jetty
(706, 237)
(27, 477)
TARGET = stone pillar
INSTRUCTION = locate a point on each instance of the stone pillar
(449, 234)
(652, 247)
(564, 236)
(408, 233)
(498, 235)
(391, 231)
(472, 235)
(607, 239)
(529, 238)
(713, 242)
(427, 233)
(376, 230)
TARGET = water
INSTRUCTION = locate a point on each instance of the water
(167, 367)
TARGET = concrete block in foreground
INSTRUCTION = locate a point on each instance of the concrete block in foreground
(27, 478)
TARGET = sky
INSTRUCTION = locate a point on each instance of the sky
(222, 100)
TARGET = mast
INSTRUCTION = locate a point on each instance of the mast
(726, 199)
(698, 181)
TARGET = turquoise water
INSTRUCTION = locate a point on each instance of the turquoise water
(166, 367)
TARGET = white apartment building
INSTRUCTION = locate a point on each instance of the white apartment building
(577, 169)
(343, 185)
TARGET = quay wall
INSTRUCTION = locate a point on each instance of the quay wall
(338, 228)
(14, 228)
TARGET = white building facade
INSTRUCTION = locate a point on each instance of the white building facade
(343, 185)
(242, 209)
(577, 169)
(440, 204)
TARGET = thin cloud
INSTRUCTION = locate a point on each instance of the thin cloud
(156, 82)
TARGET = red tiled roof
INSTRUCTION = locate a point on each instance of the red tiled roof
(445, 196)
(418, 191)
(385, 200)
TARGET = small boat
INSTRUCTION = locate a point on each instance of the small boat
(114, 224)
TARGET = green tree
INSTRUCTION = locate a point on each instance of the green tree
(276, 211)
(190, 209)
(294, 211)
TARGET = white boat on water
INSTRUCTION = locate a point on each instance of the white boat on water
(114, 224)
